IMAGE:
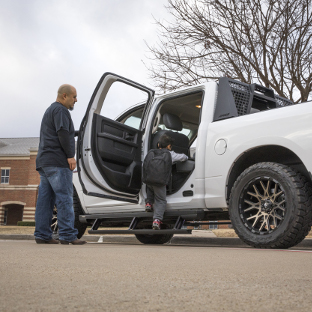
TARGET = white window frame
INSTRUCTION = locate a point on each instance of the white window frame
(5, 175)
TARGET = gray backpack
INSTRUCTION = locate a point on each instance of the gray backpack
(157, 167)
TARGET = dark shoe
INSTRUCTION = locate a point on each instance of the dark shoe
(156, 224)
(148, 207)
(42, 241)
(74, 242)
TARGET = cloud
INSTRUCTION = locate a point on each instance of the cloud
(47, 43)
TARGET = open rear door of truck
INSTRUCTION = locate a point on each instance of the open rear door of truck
(109, 152)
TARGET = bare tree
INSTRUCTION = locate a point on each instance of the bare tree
(255, 41)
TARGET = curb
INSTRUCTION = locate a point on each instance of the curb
(17, 237)
(88, 238)
(117, 238)
(207, 240)
(131, 239)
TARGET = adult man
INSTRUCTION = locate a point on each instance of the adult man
(55, 163)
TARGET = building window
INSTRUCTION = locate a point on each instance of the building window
(213, 226)
(5, 175)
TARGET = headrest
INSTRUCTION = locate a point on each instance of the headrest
(172, 122)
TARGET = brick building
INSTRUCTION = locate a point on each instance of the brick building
(19, 180)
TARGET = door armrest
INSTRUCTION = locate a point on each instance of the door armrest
(185, 166)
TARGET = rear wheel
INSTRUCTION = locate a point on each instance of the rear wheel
(270, 206)
(154, 239)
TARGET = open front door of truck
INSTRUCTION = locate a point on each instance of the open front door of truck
(109, 152)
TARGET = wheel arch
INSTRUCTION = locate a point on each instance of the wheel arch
(268, 153)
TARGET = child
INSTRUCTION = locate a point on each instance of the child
(156, 194)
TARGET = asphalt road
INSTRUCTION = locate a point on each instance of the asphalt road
(135, 277)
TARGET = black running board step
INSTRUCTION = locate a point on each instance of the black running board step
(192, 214)
(144, 231)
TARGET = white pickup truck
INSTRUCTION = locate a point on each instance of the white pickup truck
(250, 161)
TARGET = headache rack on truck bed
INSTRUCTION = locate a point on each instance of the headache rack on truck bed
(237, 98)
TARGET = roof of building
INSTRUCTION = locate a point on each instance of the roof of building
(18, 146)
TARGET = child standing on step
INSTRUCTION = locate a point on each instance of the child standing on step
(156, 174)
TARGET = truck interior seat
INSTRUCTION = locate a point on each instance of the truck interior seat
(181, 141)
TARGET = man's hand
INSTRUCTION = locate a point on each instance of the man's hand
(72, 163)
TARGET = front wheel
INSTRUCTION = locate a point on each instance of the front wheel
(54, 225)
(270, 206)
(81, 227)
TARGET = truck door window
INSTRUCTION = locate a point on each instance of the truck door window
(120, 97)
(134, 119)
(133, 122)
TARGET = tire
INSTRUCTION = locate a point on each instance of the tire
(81, 227)
(154, 239)
(270, 206)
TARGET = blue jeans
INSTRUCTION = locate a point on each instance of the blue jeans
(56, 188)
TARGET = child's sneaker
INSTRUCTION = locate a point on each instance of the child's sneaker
(148, 207)
(156, 224)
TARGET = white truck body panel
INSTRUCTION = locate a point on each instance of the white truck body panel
(289, 127)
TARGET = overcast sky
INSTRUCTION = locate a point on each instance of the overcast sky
(46, 43)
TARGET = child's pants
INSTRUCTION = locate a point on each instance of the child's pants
(156, 195)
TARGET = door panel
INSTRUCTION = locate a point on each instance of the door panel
(109, 152)
(117, 149)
